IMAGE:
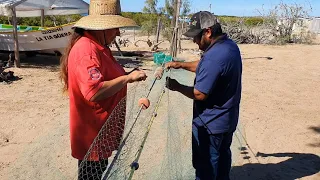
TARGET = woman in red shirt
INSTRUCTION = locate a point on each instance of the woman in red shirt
(96, 84)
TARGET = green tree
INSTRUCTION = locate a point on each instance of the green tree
(153, 12)
(185, 8)
(150, 7)
(169, 7)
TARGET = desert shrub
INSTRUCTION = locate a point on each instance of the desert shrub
(166, 30)
(280, 25)
(253, 21)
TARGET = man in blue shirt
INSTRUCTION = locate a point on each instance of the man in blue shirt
(216, 94)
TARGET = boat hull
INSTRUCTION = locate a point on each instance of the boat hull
(47, 40)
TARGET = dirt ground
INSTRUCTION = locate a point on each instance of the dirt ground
(279, 111)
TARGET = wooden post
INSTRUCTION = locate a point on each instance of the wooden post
(177, 12)
(42, 17)
(172, 43)
(158, 30)
(15, 36)
(179, 41)
(134, 34)
(118, 47)
(173, 21)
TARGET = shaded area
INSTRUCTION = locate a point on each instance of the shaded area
(298, 165)
(267, 57)
(41, 62)
(131, 59)
(129, 63)
(315, 129)
(33, 60)
(141, 54)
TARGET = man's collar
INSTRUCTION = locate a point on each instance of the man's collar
(221, 38)
(94, 40)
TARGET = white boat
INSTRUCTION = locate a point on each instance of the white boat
(30, 38)
(50, 40)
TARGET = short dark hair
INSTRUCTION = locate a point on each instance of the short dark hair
(216, 30)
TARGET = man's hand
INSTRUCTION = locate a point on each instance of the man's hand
(172, 64)
(189, 66)
(172, 84)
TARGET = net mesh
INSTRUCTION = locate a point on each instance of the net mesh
(167, 152)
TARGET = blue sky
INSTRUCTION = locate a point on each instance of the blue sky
(227, 7)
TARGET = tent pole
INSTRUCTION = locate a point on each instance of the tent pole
(15, 35)
(42, 17)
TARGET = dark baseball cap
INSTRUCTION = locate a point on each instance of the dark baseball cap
(199, 21)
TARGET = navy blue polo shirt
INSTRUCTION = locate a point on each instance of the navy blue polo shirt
(219, 76)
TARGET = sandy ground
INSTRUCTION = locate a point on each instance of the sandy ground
(279, 110)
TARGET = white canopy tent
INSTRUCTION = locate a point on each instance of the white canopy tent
(33, 8)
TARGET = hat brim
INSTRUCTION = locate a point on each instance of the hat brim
(192, 32)
(103, 22)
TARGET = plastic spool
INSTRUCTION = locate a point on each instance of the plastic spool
(144, 102)
(158, 73)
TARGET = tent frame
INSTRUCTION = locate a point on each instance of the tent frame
(12, 7)
(15, 33)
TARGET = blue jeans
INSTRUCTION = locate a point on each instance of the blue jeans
(211, 154)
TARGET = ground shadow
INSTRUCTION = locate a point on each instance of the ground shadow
(41, 61)
(140, 54)
(315, 129)
(267, 57)
(132, 59)
(130, 63)
(298, 165)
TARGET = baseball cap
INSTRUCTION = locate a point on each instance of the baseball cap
(200, 21)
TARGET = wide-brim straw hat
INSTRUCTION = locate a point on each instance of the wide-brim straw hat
(104, 14)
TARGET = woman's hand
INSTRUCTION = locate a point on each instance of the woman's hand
(137, 75)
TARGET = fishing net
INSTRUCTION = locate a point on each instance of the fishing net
(154, 143)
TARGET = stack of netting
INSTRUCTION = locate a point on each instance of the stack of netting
(160, 58)
(167, 151)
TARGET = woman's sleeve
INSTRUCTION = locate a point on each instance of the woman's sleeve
(89, 76)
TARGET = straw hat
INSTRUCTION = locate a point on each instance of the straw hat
(104, 14)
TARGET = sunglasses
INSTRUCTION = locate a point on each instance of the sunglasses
(199, 36)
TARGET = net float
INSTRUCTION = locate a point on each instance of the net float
(158, 73)
(144, 102)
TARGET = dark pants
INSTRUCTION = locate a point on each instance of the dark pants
(91, 170)
(211, 154)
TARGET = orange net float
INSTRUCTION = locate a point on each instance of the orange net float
(158, 73)
(144, 102)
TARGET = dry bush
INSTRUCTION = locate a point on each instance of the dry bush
(282, 24)
(244, 34)
(285, 23)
